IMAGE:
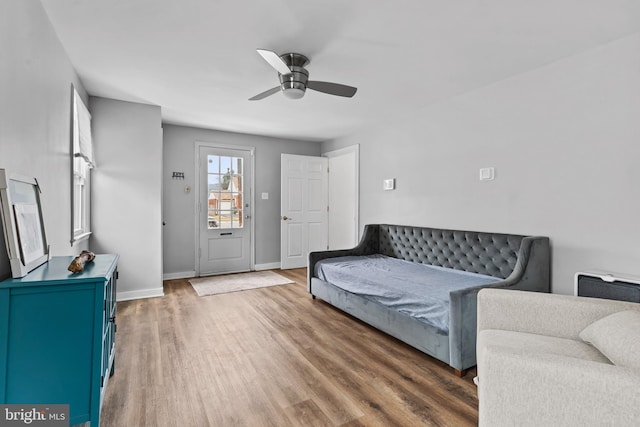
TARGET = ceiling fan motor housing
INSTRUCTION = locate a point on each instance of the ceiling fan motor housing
(294, 85)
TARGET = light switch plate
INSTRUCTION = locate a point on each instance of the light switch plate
(265, 196)
(487, 174)
(389, 184)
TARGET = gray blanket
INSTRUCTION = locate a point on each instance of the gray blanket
(419, 290)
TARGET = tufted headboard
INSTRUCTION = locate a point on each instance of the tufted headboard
(476, 252)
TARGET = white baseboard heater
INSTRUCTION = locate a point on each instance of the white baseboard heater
(608, 286)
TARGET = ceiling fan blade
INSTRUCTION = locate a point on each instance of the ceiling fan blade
(332, 88)
(265, 93)
(275, 61)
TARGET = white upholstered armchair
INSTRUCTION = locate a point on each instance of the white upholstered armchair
(541, 360)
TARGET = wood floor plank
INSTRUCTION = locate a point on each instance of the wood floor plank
(275, 357)
(308, 414)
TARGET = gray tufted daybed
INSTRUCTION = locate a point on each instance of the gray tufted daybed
(430, 302)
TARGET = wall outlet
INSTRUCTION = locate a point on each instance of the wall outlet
(265, 196)
(389, 184)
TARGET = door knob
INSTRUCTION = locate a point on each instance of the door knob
(285, 218)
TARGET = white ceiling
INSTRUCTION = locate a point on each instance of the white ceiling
(197, 60)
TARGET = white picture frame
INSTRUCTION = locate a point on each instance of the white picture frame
(22, 223)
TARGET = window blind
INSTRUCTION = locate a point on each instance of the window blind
(83, 142)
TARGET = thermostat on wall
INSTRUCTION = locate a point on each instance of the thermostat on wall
(389, 184)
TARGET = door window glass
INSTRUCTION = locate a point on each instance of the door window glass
(225, 203)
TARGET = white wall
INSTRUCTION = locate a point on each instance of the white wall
(127, 192)
(35, 114)
(179, 207)
(565, 142)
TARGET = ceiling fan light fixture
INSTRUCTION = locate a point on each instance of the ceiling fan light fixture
(294, 93)
(293, 90)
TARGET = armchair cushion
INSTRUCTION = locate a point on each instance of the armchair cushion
(617, 336)
(520, 385)
(520, 388)
(533, 343)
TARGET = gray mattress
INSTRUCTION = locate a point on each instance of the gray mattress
(418, 290)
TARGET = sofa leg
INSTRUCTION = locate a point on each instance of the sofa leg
(460, 373)
(313, 297)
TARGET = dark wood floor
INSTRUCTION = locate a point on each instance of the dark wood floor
(271, 357)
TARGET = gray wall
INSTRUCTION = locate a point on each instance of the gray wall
(565, 142)
(127, 192)
(179, 207)
(35, 114)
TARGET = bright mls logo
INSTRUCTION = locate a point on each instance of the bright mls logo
(34, 415)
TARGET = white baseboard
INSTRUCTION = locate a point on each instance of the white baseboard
(143, 293)
(190, 274)
(179, 275)
(270, 266)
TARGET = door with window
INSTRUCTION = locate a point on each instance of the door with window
(224, 210)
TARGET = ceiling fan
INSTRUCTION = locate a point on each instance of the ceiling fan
(294, 78)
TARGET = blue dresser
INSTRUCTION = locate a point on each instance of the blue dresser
(57, 336)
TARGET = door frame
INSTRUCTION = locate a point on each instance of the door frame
(251, 198)
(341, 152)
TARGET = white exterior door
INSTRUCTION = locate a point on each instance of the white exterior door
(304, 206)
(224, 210)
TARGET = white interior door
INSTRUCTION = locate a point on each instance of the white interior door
(304, 206)
(343, 197)
(224, 210)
